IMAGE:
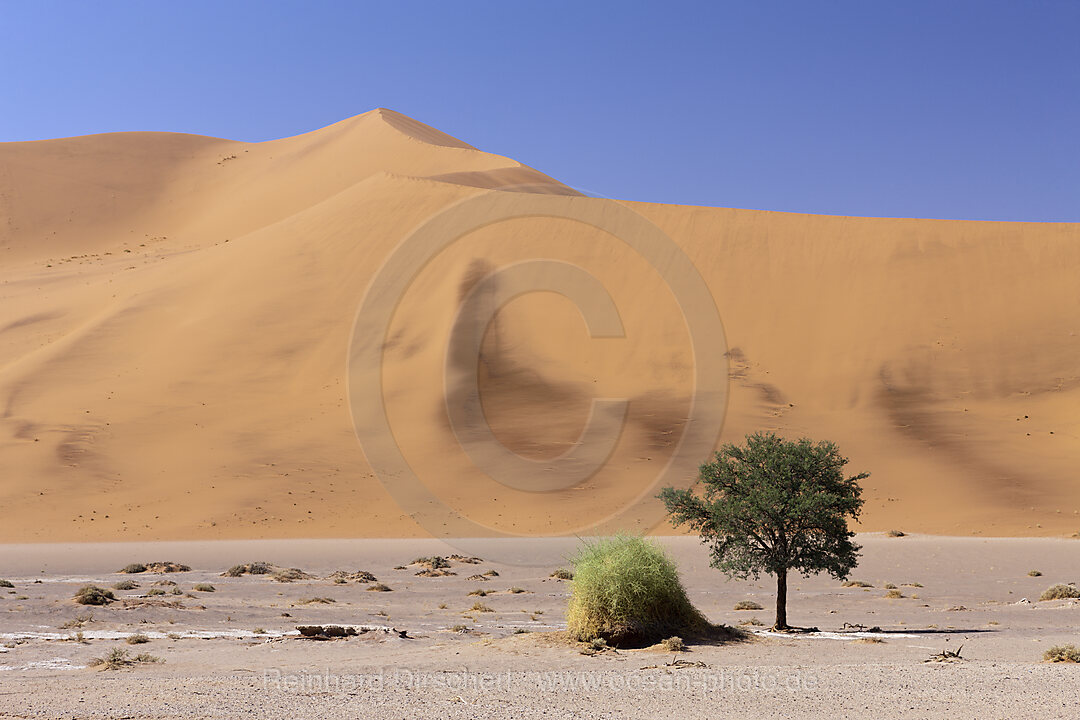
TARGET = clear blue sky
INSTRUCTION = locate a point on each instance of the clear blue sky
(965, 109)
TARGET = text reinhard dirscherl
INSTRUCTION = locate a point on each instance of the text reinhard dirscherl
(764, 680)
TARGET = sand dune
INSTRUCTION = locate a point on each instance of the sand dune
(176, 312)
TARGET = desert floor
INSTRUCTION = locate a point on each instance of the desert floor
(235, 652)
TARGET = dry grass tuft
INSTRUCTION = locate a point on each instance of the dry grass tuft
(318, 601)
(1034, 573)
(137, 639)
(1060, 592)
(125, 585)
(1062, 653)
(93, 595)
(674, 644)
(895, 533)
(857, 583)
(203, 587)
(480, 607)
(379, 587)
(747, 605)
(894, 594)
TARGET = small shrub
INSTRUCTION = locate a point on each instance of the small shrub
(93, 595)
(521, 631)
(868, 641)
(125, 585)
(137, 639)
(491, 573)
(176, 591)
(747, 605)
(203, 587)
(379, 587)
(889, 586)
(1060, 592)
(133, 568)
(259, 631)
(480, 592)
(894, 595)
(442, 606)
(6, 584)
(1034, 573)
(480, 607)
(460, 628)
(286, 575)
(516, 590)
(857, 583)
(1062, 653)
(912, 584)
(562, 574)
(77, 622)
(318, 600)
(753, 622)
(598, 644)
(627, 589)
(896, 533)
(674, 644)
(255, 568)
(152, 592)
(114, 659)
(436, 562)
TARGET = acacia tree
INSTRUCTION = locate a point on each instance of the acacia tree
(773, 506)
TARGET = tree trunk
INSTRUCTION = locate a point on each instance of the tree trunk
(781, 601)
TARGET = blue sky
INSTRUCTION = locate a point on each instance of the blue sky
(952, 109)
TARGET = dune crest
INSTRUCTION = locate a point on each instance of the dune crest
(175, 316)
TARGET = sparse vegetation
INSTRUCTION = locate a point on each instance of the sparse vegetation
(77, 622)
(379, 587)
(6, 584)
(774, 506)
(442, 606)
(747, 605)
(673, 644)
(1060, 592)
(895, 533)
(137, 639)
(491, 573)
(318, 601)
(480, 607)
(133, 568)
(562, 574)
(753, 621)
(889, 586)
(125, 585)
(286, 575)
(93, 595)
(480, 592)
(436, 562)
(1062, 653)
(857, 583)
(255, 568)
(868, 641)
(118, 658)
(1034, 573)
(627, 590)
(460, 628)
(516, 590)
(203, 587)
(894, 594)
(153, 592)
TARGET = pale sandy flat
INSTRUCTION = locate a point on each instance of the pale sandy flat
(972, 595)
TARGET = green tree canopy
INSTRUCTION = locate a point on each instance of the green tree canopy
(773, 506)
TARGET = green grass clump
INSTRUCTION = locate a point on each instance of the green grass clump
(1062, 653)
(1060, 592)
(93, 595)
(627, 590)
(747, 605)
(203, 587)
